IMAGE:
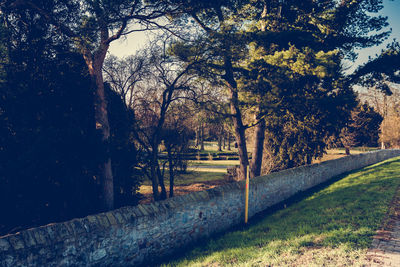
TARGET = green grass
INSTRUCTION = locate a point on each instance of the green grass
(214, 162)
(333, 226)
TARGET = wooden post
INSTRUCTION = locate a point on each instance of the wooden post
(246, 204)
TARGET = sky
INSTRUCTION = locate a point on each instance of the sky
(391, 9)
(126, 46)
(129, 45)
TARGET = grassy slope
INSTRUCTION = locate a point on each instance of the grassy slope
(331, 227)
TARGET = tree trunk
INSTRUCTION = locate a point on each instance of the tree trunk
(155, 172)
(163, 194)
(347, 149)
(308, 159)
(201, 137)
(171, 172)
(239, 129)
(220, 142)
(229, 77)
(154, 181)
(259, 133)
(256, 161)
(103, 126)
(223, 140)
(197, 137)
(229, 141)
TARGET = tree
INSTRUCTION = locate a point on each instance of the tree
(380, 74)
(367, 122)
(336, 29)
(46, 126)
(240, 39)
(175, 138)
(91, 26)
(390, 128)
(221, 46)
(380, 71)
(166, 80)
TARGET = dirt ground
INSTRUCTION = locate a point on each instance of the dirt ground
(186, 189)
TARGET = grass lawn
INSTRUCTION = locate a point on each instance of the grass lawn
(336, 153)
(333, 226)
(213, 162)
(191, 177)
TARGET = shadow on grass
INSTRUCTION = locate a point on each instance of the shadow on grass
(344, 210)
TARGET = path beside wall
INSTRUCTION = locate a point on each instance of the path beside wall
(141, 234)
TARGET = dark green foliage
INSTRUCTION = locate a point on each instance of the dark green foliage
(48, 144)
(297, 135)
(284, 60)
(368, 123)
(363, 127)
(123, 152)
(297, 72)
(381, 70)
(49, 149)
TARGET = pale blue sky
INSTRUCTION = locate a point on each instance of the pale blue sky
(392, 11)
(128, 46)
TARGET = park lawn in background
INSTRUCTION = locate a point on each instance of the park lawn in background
(333, 226)
(191, 177)
(213, 162)
(336, 153)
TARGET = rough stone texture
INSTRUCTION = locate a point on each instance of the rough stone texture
(141, 234)
(385, 247)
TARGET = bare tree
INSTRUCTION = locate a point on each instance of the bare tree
(123, 75)
(149, 92)
(388, 106)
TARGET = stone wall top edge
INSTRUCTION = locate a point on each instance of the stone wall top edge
(290, 171)
(51, 233)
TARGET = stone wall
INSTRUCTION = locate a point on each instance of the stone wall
(141, 234)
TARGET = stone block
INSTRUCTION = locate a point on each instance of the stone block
(102, 221)
(155, 208)
(149, 209)
(40, 236)
(52, 233)
(171, 203)
(92, 223)
(86, 225)
(92, 219)
(63, 231)
(111, 218)
(16, 241)
(160, 207)
(133, 211)
(77, 227)
(28, 238)
(118, 216)
(4, 244)
(98, 254)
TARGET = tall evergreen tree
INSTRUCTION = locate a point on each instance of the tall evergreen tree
(252, 48)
